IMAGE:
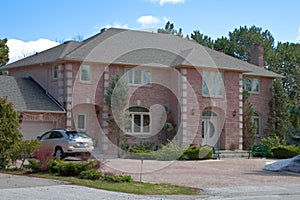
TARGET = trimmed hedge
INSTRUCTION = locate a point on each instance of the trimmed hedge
(260, 150)
(197, 153)
(69, 168)
(283, 152)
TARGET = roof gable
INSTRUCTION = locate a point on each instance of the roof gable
(26, 95)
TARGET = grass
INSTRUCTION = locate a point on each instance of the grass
(131, 187)
(128, 187)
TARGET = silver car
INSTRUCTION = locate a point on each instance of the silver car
(63, 143)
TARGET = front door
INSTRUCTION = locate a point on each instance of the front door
(210, 131)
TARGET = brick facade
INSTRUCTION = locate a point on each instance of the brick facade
(178, 90)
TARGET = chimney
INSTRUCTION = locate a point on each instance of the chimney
(257, 55)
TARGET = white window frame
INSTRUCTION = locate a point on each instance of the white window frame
(54, 72)
(211, 80)
(84, 121)
(88, 68)
(141, 132)
(130, 74)
(252, 85)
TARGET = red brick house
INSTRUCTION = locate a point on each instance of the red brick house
(195, 89)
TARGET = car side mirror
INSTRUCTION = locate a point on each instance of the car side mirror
(38, 137)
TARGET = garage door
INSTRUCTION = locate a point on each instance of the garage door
(31, 130)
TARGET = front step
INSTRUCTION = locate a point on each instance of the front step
(234, 154)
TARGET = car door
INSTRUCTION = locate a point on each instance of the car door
(45, 145)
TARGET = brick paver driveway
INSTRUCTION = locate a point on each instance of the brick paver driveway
(211, 174)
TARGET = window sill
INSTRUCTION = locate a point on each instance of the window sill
(139, 134)
(140, 85)
(86, 82)
(214, 97)
(254, 92)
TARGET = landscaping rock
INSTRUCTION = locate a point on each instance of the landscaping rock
(290, 164)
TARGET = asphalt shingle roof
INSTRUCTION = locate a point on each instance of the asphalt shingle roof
(128, 47)
(26, 95)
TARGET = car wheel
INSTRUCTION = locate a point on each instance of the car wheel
(59, 154)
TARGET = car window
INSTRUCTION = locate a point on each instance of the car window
(46, 136)
(74, 134)
(55, 135)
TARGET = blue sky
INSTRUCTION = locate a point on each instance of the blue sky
(63, 19)
(60, 20)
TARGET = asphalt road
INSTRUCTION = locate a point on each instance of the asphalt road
(226, 179)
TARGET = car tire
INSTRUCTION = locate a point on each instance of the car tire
(59, 153)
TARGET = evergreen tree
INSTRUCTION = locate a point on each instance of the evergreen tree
(170, 29)
(279, 121)
(9, 130)
(202, 39)
(117, 98)
(3, 52)
(249, 127)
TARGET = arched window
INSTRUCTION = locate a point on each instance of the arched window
(139, 120)
(208, 113)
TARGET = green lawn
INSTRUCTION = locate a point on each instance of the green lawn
(131, 187)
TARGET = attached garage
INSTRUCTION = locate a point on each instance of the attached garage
(38, 111)
(31, 130)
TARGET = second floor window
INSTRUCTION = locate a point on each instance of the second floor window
(138, 76)
(55, 72)
(251, 85)
(85, 73)
(212, 83)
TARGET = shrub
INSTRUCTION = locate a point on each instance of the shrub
(197, 153)
(127, 178)
(33, 165)
(143, 147)
(191, 153)
(283, 152)
(44, 156)
(117, 179)
(271, 142)
(206, 152)
(69, 168)
(91, 174)
(260, 150)
(24, 149)
(170, 151)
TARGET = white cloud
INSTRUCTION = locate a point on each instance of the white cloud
(117, 25)
(148, 21)
(162, 2)
(298, 38)
(19, 49)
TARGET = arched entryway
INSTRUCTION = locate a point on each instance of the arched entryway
(212, 124)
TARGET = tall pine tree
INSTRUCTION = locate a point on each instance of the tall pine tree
(279, 121)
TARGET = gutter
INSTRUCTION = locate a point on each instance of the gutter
(42, 111)
(49, 95)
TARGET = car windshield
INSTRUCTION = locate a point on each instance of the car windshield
(73, 134)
